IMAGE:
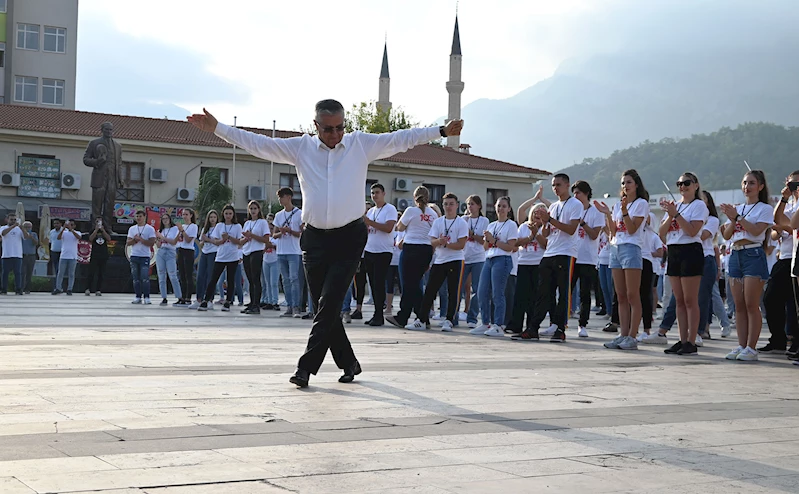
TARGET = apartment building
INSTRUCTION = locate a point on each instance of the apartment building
(38, 52)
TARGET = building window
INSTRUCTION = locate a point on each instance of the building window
(291, 180)
(3, 6)
(133, 178)
(436, 194)
(28, 36)
(55, 39)
(25, 89)
(52, 92)
(223, 173)
(491, 198)
(2, 55)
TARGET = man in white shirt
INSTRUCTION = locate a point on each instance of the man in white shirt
(12, 235)
(69, 257)
(288, 228)
(331, 168)
(781, 294)
(55, 249)
(380, 221)
(560, 226)
(141, 237)
(587, 239)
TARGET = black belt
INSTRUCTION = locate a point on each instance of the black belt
(329, 230)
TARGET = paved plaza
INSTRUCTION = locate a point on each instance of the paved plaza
(98, 395)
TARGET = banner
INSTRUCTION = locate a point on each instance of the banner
(56, 212)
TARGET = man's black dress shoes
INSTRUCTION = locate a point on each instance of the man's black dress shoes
(300, 378)
(349, 374)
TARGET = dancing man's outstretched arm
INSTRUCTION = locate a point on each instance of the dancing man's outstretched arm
(377, 146)
(261, 146)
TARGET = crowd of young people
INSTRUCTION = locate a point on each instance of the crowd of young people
(507, 272)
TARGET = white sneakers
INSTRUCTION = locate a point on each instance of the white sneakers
(416, 325)
(725, 332)
(582, 332)
(549, 331)
(495, 330)
(471, 325)
(655, 339)
(699, 341)
(740, 353)
(136, 300)
(628, 343)
(481, 329)
(147, 301)
(446, 326)
(195, 305)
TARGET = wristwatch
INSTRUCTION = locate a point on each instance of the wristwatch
(442, 130)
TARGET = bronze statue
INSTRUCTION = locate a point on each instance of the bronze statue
(104, 156)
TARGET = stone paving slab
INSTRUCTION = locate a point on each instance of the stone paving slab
(97, 395)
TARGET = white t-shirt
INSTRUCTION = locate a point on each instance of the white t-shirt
(418, 224)
(12, 243)
(171, 233)
(712, 226)
(55, 244)
(396, 251)
(604, 251)
(138, 249)
(454, 229)
(228, 252)
(474, 252)
(759, 212)
(288, 244)
(560, 243)
(270, 253)
(503, 231)
(69, 244)
(786, 240)
(379, 241)
(208, 247)
(638, 209)
(587, 249)
(532, 253)
(259, 227)
(652, 243)
(189, 231)
(695, 210)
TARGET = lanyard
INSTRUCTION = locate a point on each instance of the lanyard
(377, 212)
(472, 226)
(288, 220)
(743, 210)
(498, 229)
(447, 228)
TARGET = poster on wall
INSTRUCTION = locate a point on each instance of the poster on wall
(39, 177)
(78, 214)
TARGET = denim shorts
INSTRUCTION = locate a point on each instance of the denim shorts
(749, 263)
(626, 256)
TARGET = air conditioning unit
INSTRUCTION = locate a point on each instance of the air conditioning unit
(158, 174)
(463, 207)
(255, 193)
(402, 184)
(70, 181)
(401, 204)
(185, 195)
(8, 179)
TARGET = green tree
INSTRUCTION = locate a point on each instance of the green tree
(211, 194)
(368, 117)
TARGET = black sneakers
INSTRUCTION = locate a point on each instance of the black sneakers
(611, 328)
(675, 348)
(559, 336)
(770, 348)
(357, 314)
(687, 348)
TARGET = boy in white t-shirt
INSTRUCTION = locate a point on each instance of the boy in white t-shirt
(141, 237)
(561, 222)
(286, 235)
(587, 238)
(448, 237)
(12, 235)
(69, 257)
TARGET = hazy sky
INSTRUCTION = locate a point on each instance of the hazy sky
(262, 60)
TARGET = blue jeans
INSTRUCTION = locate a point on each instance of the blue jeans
(205, 268)
(14, 265)
(166, 265)
(443, 302)
(66, 267)
(140, 275)
(237, 284)
(270, 274)
(346, 306)
(290, 265)
(475, 269)
(493, 281)
(606, 283)
(718, 308)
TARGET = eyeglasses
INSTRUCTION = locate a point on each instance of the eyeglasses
(685, 183)
(329, 130)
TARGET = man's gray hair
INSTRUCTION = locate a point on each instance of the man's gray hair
(328, 107)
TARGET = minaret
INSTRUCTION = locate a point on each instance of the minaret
(383, 102)
(455, 85)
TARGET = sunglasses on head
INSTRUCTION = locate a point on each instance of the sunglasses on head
(685, 182)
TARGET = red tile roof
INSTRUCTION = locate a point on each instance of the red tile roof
(55, 121)
(69, 122)
(429, 154)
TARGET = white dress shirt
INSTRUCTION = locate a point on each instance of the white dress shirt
(331, 179)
